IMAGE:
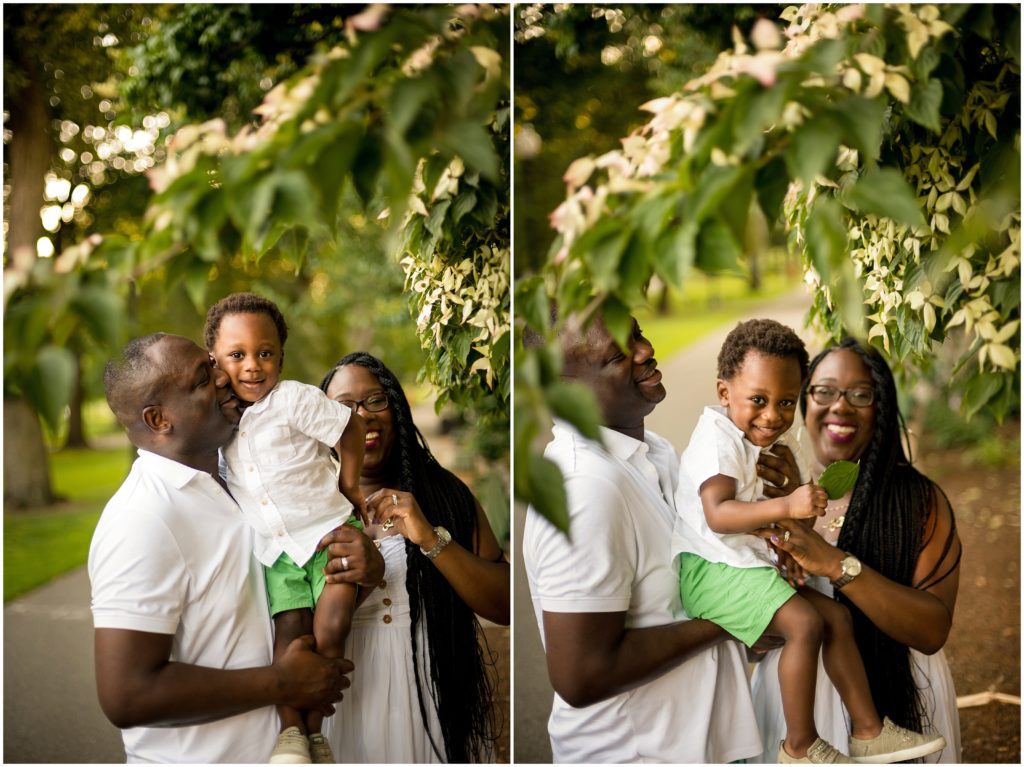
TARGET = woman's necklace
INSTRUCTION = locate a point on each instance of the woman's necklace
(837, 522)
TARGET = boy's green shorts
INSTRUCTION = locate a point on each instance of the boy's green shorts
(294, 587)
(742, 600)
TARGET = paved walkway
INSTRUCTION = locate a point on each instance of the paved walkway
(689, 378)
(51, 713)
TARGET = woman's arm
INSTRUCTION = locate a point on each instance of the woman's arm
(917, 616)
(480, 577)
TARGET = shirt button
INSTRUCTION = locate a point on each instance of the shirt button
(279, 532)
(387, 602)
(383, 585)
(264, 501)
(242, 434)
(253, 468)
(387, 619)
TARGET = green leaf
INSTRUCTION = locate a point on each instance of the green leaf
(50, 382)
(979, 390)
(532, 303)
(813, 148)
(407, 97)
(102, 312)
(863, 121)
(826, 237)
(463, 204)
(576, 404)
(366, 166)
(547, 491)
(472, 142)
(771, 184)
(717, 250)
(674, 252)
(885, 192)
(618, 319)
(839, 478)
(714, 186)
(925, 103)
(601, 249)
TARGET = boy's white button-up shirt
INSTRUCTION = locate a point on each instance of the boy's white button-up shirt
(718, 446)
(280, 471)
(618, 559)
(171, 554)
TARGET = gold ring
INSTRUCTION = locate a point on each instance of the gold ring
(394, 499)
(388, 524)
(785, 537)
(344, 563)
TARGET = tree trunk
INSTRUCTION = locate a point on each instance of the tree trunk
(76, 428)
(28, 154)
(26, 462)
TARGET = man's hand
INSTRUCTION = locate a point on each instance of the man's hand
(353, 557)
(309, 681)
(779, 471)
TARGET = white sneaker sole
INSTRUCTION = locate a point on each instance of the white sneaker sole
(914, 752)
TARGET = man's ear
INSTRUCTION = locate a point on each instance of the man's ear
(155, 420)
(723, 392)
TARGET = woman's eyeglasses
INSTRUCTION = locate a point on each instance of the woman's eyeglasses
(372, 404)
(827, 395)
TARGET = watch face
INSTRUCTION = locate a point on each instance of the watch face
(851, 566)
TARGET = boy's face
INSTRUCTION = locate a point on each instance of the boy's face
(249, 350)
(762, 397)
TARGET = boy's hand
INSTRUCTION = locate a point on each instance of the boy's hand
(807, 501)
(350, 449)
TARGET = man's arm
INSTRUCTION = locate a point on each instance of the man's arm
(593, 656)
(139, 685)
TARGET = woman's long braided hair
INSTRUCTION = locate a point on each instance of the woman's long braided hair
(459, 682)
(884, 528)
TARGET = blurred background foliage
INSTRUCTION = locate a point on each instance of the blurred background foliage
(159, 157)
(882, 143)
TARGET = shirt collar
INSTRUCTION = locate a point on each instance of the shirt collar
(615, 442)
(718, 412)
(177, 474)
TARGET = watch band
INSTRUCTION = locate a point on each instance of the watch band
(443, 539)
(847, 576)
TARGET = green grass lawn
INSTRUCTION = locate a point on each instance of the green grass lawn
(40, 544)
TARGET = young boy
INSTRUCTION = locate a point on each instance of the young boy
(728, 576)
(280, 472)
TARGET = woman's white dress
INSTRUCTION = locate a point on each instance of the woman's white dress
(931, 673)
(379, 719)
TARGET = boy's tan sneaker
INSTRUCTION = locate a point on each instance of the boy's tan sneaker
(320, 750)
(820, 752)
(292, 748)
(894, 744)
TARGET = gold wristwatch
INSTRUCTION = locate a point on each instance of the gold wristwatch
(851, 569)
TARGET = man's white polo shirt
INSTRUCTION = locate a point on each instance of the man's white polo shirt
(172, 555)
(620, 559)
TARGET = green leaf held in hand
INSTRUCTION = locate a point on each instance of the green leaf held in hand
(839, 478)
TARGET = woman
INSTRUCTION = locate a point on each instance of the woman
(422, 691)
(902, 578)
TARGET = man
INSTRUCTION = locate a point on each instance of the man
(183, 639)
(633, 682)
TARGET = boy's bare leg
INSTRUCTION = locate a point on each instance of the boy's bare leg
(290, 625)
(332, 621)
(844, 665)
(802, 628)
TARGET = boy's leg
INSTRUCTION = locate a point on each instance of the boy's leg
(844, 665)
(332, 621)
(801, 626)
(288, 626)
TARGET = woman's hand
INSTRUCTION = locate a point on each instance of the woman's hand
(805, 547)
(780, 470)
(395, 508)
(352, 557)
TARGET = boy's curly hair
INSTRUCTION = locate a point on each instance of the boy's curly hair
(764, 336)
(242, 303)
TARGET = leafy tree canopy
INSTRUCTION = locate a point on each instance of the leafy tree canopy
(886, 138)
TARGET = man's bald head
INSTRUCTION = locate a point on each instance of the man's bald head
(132, 380)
